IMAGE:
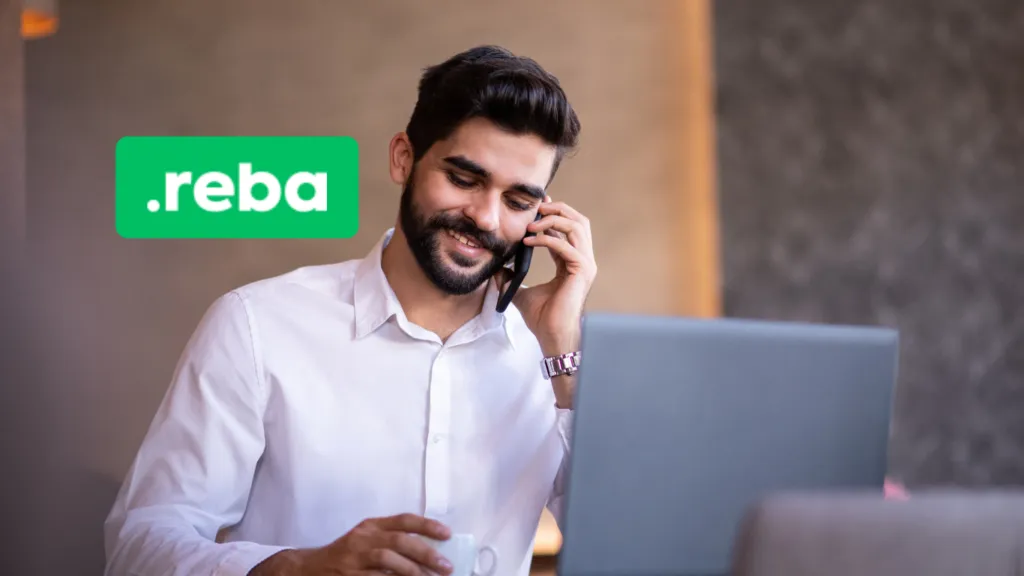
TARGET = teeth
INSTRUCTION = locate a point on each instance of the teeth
(462, 239)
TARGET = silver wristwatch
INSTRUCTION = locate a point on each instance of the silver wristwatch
(566, 364)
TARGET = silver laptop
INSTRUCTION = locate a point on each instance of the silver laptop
(682, 424)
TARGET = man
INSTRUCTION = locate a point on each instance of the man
(322, 421)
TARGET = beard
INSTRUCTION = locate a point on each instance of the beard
(423, 234)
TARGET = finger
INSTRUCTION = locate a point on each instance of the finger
(563, 209)
(389, 560)
(555, 234)
(572, 229)
(417, 550)
(559, 247)
(415, 524)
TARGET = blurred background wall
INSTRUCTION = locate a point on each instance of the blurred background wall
(12, 130)
(22, 461)
(117, 312)
(871, 172)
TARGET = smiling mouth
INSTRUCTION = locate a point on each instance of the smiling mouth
(463, 239)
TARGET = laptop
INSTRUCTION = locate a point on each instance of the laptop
(682, 424)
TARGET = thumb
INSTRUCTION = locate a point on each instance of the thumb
(502, 277)
(524, 297)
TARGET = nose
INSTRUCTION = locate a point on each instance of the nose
(484, 211)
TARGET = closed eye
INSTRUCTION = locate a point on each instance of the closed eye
(517, 205)
(460, 182)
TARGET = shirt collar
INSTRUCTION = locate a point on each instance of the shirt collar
(375, 302)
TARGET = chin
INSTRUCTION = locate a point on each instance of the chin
(457, 265)
(459, 280)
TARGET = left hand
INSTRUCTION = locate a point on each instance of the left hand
(553, 310)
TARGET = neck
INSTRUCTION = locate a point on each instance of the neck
(423, 303)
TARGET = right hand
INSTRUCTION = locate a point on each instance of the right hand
(374, 546)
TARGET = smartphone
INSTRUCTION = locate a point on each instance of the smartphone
(520, 266)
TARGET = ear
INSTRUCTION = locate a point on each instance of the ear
(400, 158)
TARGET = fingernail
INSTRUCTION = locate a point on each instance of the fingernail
(444, 564)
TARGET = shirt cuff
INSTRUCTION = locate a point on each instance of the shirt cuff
(245, 557)
(564, 419)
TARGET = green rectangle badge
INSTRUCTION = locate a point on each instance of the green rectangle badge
(237, 187)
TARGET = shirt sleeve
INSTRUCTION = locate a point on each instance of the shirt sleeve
(556, 502)
(193, 472)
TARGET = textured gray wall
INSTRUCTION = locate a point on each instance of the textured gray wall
(118, 312)
(872, 171)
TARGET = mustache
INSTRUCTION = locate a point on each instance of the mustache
(465, 227)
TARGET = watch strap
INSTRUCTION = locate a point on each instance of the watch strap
(563, 364)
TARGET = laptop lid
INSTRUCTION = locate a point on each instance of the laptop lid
(681, 424)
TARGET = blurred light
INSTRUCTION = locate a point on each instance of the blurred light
(38, 18)
(548, 540)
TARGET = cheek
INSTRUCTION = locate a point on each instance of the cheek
(514, 232)
(438, 194)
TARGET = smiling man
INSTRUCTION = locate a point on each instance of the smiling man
(323, 420)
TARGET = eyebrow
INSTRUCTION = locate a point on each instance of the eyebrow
(465, 164)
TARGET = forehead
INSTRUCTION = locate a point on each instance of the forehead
(510, 158)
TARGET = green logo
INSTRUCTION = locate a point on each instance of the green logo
(237, 187)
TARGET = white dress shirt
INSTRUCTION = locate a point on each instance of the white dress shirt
(306, 403)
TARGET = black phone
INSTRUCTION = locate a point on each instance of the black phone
(520, 266)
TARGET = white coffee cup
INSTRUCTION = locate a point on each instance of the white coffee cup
(461, 550)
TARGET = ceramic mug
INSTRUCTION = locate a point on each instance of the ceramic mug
(461, 550)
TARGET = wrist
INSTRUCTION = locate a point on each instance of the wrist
(553, 345)
(284, 563)
(561, 370)
(564, 387)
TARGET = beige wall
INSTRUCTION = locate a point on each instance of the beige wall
(190, 67)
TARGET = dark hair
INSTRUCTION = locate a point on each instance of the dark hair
(491, 82)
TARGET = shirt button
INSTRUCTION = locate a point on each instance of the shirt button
(438, 438)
